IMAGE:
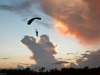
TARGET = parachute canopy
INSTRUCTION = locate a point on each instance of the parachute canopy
(31, 20)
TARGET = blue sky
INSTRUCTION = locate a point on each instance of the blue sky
(13, 29)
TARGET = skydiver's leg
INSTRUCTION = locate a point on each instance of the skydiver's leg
(37, 34)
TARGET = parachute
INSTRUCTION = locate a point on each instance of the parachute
(31, 20)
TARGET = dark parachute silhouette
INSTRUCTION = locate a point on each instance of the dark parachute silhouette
(31, 20)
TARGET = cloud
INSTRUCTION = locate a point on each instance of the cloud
(92, 60)
(69, 53)
(24, 64)
(72, 65)
(13, 63)
(60, 58)
(79, 18)
(43, 50)
(5, 58)
(60, 62)
(87, 51)
(94, 6)
(68, 59)
(27, 9)
(19, 67)
(88, 58)
(20, 7)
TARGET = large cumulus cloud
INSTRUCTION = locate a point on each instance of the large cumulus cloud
(43, 50)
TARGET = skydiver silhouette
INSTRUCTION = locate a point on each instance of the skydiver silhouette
(36, 32)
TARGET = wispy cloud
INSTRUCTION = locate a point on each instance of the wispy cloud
(60, 62)
(5, 58)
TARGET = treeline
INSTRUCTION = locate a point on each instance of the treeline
(62, 71)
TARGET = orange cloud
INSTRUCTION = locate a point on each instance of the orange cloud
(81, 20)
(61, 28)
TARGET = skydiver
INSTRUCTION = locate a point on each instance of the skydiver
(36, 32)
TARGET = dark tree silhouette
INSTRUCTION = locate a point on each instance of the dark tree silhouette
(64, 71)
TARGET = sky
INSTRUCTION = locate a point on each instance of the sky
(69, 33)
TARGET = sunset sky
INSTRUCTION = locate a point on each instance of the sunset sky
(69, 33)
